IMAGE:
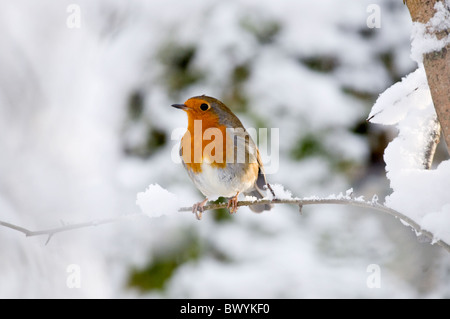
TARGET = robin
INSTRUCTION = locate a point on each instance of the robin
(219, 155)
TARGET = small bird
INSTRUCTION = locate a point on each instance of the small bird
(219, 155)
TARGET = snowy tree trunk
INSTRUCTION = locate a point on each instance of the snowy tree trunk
(437, 66)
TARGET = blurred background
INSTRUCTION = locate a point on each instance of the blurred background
(86, 124)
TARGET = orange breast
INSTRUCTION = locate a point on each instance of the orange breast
(205, 141)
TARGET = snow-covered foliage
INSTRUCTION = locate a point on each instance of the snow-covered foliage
(85, 125)
(424, 39)
(157, 201)
(421, 194)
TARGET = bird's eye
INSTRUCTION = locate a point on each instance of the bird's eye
(204, 107)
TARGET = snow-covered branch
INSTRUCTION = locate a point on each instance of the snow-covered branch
(343, 200)
(339, 201)
(430, 45)
(51, 231)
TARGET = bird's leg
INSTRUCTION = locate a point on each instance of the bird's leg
(197, 208)
(232, 204)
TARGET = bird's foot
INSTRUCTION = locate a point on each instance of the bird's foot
(233, 204)
(197, 209)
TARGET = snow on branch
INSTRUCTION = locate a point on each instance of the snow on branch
(52, 231)
(430, 45)
(419, 190)
(340, 199)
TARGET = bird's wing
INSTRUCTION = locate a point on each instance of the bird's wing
(243, 148)
(243, 144)
(261, 181)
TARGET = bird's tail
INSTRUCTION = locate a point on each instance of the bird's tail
(258, 208)
(259, 192)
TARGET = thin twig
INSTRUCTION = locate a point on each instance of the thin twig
(51, 231)
(342, 201)
(298, 202)
(433, 140)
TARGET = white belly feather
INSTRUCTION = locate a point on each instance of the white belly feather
(214, 182)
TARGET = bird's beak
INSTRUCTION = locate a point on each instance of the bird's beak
(180, 106)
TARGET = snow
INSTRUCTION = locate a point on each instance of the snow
(250, 198)
(157, 201)
(419, 193)
(349, 195)
(393, 105)
(280, 192)
(375, 199)
(424, 39)
(422, 195)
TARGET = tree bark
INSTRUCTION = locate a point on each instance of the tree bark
(437, 66)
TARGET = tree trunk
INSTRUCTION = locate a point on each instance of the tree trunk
(437, 66)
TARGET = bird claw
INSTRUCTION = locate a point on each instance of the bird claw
(197, 209)
(233, 204)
